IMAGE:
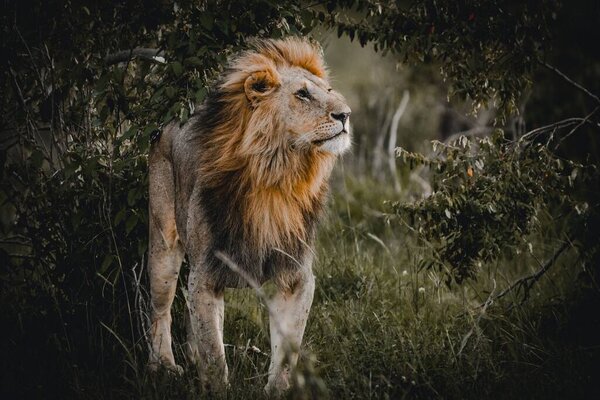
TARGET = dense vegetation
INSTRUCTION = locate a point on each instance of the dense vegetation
(407, 299)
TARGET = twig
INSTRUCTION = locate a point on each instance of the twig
(31, 57)
(154, 55)
(568, 135)
(141, 305)
(528, 281)
(571, 81)
(288, 346)
(255, 286)
(558, 125)
(24, 256)
(484, 306)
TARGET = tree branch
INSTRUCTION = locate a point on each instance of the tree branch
(587, 117)
(154, 55)
(570, 81)
(528, 281)
(560, 125)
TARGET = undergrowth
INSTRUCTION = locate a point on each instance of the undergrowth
(379, 328)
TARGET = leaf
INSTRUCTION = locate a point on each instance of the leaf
(207, 21)
(149, 129)
(36, 158)
(200, 95)
(131, 223)
(119, 217)
(142, 247)
(170, 91)
(131, 197)
(127, 135)
(177, 68)
(193, 61)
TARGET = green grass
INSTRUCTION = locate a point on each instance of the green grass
(379, 328)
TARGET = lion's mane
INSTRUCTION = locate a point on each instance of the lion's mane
(261, 197)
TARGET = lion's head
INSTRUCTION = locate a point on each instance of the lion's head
(270, 132)
(284, 84)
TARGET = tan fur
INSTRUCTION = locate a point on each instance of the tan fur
(253, 164)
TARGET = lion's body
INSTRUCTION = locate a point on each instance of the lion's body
(246, 176)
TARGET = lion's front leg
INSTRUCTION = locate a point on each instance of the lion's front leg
(290, 308)
(205, 333)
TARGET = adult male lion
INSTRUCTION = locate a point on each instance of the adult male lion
(245, 176)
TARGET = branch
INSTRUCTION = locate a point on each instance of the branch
(154, 55)
(259, 292)
(587, 117)
(570, 81)
(528, 281)
(560, 125)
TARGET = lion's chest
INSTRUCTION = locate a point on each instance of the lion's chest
(263, 229)
(265, 236)
(273, 218)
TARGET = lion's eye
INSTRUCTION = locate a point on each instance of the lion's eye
(329, 90)
(303, 94)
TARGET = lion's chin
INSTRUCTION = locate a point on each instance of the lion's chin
(336, 145)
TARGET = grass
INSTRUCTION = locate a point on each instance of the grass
(379, 328)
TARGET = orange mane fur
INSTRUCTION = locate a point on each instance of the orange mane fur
(276, 186)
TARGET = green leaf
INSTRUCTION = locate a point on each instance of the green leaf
(193, 61)
(131, 223)
(170, 91)
(200, 95)
(36, 158)
(177, 68)
(132, 197)
(207, 21)
(119, 217)
(142, 247)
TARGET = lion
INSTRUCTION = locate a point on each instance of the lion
(246, 176)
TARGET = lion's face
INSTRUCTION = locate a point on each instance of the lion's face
(310, 113)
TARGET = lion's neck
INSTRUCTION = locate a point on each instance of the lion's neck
(280, 208)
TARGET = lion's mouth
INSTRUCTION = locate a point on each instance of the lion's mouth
(321, 141)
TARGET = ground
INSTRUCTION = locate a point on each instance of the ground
(379, 328)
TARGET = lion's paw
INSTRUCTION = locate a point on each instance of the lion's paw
(170, 368)
(278, 386)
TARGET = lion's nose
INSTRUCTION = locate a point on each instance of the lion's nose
(343, 116)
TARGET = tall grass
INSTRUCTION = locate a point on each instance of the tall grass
(379, 327)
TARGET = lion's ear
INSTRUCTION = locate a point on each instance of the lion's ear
(260, 84)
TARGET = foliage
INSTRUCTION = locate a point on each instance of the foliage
(486, 49)
(487, 195)
(491, 193)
